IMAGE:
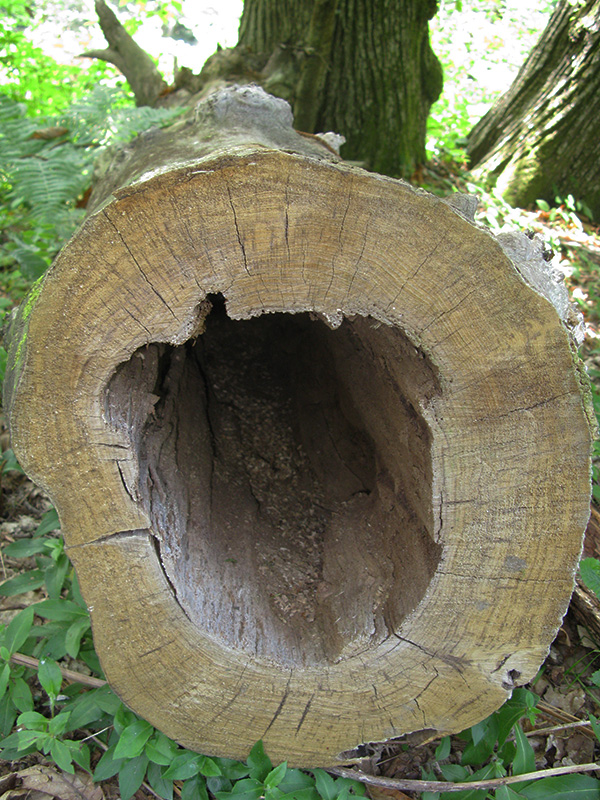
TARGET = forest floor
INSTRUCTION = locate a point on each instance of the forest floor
(566, 686)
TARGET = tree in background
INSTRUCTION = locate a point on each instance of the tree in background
(541, 137)
(363, 69)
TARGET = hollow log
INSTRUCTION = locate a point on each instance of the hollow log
(319, 443)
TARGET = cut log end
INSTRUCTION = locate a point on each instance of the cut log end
(320, 452)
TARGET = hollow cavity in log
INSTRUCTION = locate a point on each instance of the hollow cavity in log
(293, 515)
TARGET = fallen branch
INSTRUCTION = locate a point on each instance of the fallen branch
(443, 786)
(69, 674)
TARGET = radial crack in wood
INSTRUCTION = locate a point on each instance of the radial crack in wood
(319, 450)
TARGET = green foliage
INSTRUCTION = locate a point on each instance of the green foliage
(41, 179)
(49, 715)
(29, 76)
(481, 45)
(497, 747)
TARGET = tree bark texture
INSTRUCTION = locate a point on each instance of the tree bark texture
(541, 138)
(318, 442)
(377, 75)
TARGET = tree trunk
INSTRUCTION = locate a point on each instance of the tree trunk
(541, 138)
(315, 441)
(363, 69)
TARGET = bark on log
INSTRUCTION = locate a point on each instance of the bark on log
(319, 450)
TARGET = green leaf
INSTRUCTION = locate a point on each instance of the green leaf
(234, 770)
(325, 784)
(58, 724)
(296, 780)
(276, 775)
(184, 766)
(50, 676)
(259, 762)
(131, 776)
(589, 570)
(62, 756)
(301, 794)
(122, 718)
(25, 582)
(107, 700)
(542, 205)
(521, 704)
(525, 757)
(160, 749)
(29, 738)
(107, 766)
(18, 630)
(442, 751)
(133, 739)
(563, 787)
(54, 576)
(4, 676)
(84, 709)
(23, 548)
(10, 463)
(49, 523)
(33, 721)
(80, 753)
(454, 772)
(595, 726)
(506, 793)
(20, 694)
(75, 634)
(245, 789)
(208, 767)
(161, 786)
(60, 610)
(8, 714)
(194, 789)
(485, 736)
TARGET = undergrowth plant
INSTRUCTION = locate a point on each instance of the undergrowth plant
(71, 723)
(81, 724)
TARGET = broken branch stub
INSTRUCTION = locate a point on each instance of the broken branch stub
(319, 451)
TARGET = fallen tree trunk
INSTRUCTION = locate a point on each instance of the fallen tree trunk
(319, 450)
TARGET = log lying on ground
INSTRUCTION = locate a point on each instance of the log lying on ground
(319, 450)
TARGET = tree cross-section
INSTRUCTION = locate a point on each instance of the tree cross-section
(319, 450)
